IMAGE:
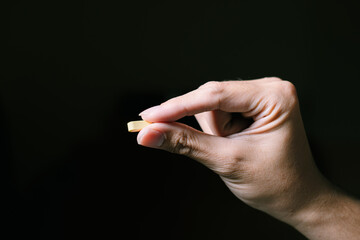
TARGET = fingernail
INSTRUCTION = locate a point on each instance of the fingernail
(149, 110)
(149, 137)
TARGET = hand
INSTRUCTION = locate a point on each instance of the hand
(253, 138)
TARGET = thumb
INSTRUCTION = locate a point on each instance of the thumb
(179, 138)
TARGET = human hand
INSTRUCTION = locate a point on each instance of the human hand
(266, 162)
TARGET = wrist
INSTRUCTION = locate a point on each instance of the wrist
(331, 214)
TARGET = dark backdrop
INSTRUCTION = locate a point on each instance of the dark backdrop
(74, 72)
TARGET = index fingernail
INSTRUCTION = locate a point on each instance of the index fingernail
(149, 110)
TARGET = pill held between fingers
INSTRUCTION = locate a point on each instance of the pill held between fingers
(136, 126)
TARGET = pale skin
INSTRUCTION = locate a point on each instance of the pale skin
(253, 138)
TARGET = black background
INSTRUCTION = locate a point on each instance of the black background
(73, 73)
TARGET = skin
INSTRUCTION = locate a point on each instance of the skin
(253, 138)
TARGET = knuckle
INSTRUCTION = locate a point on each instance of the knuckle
(183, 144)
(214, 90)
(273, 79)
(214, 87)
(284, 93)
(288, 90)
(209, 84)
(276, 79)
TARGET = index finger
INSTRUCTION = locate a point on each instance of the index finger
(228, 96)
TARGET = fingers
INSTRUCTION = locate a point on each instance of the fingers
(216, 121)
(222, 123)
(267, 101)
(212, 151)
(228, 96)
(204, 121)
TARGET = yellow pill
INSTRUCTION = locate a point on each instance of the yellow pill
(136, 126)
